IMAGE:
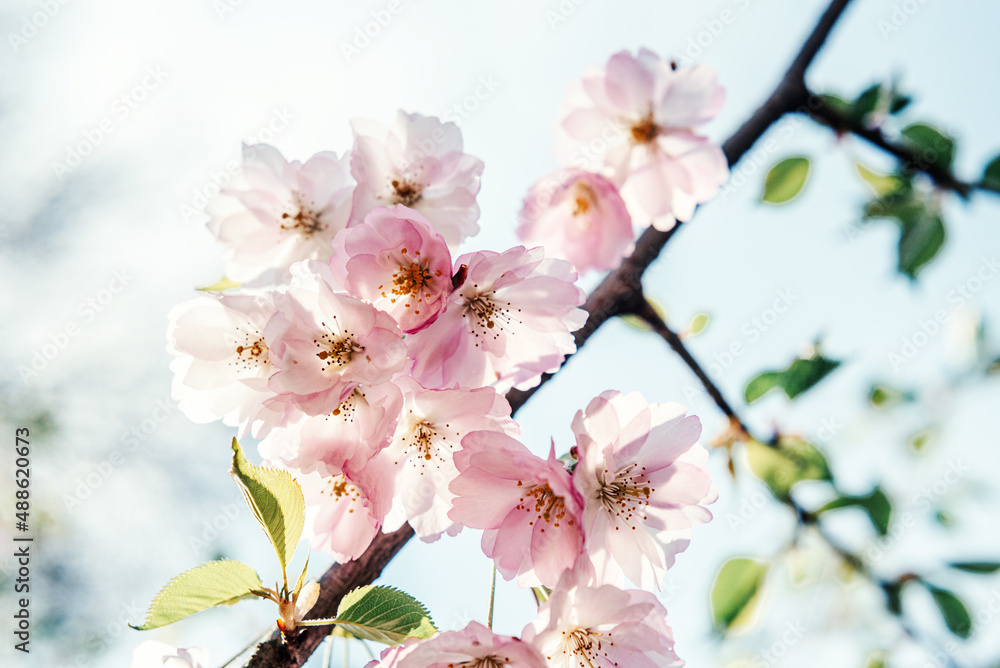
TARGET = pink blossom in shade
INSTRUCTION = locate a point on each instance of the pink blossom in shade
(221, 362)
(391, 656)
(582, 624)
(326, 343)
(396, 261)
(643, 478)
(510, 321)
(635, 121)
(527, 507)
(153, 654)
(429, 431)
(475, 646)
(344, 512)
(418, 163)
(343, 439)
(577, 216)
(280, 212)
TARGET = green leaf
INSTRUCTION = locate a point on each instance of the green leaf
(801, 375)
(920, 242)
(785, 180)
(876, 504)
(866, 103)
(221, 285)
(837, 103)
(216, 583)
(883, 397)
(932, 146)
(698, 324)
(383, 614)
(991, 175)
(981, 567)
(736, 591)
(894, 597)
(880, 184)
(790, 461)
(920, 440)
(276, 501)
(956, 615)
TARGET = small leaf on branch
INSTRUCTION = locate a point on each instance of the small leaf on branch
(932, 146)
(880, 184)
(215, 583)
(956, 615)
(980, 567)
(736, 592)
(221, 285)
(383, 614)
(991, 175)
(801, 375)
(922, 230)
(883, 397)
(785, 180)
(276, 501)
(698, 324)
(790, 461)
(876, 504)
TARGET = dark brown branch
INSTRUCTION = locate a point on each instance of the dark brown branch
(619, 292)
(821, 111)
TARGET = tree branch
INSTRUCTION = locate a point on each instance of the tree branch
(619, 292)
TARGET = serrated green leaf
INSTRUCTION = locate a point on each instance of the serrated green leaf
(932, 146)
(215, 583)
(991, 175)
(383, 614)
(785, 180)
(736, 591)
(798, 377)
(221, 285)
(981, 567)
(876, 505)
(790, 461)
(880, 184)
(275, 499)
(956, 615)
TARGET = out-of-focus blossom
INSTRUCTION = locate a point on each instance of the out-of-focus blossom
(643, 478)
(510, 321)
(635, 120)
(282, 212)
(577, 216)
(527, 507)
(420, 455)
(153, 654)
(475, 646)
(418, 163)
(221, 362)
(582, 624)
(396, 261)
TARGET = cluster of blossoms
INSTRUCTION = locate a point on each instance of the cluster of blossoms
(372, 364)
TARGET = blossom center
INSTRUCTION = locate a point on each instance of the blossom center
(491, 661)
(252, 355)
(423, 442)
(645, 130)
(337, 351)
(544, 503)
(342, 490)
(407, 192)
(305, 220)
(585, 197)
(588, 646)
(488, 316)
(626, 494)
(346, 409)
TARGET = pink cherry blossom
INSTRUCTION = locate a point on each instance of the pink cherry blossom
(636, 120)
(281, 212)
(510, 321)
(326, 343)
(527, 507)
(391, 656)
(419, 163)
(643, 478)
(344, 512)
(343, 439)
(475, 646)
(221, 362)
(396, 261)
(582, 624)
(420, 455)
(577, 216)
(153, 654)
